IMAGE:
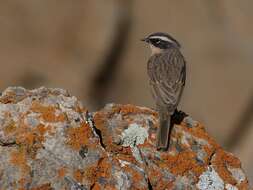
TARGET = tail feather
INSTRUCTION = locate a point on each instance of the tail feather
(163, 132)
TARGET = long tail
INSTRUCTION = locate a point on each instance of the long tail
(163, 133)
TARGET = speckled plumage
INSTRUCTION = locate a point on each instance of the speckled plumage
(167, 73)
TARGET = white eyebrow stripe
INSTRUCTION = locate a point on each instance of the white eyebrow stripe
(161, 38)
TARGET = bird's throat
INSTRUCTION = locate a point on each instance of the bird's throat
(155, 50)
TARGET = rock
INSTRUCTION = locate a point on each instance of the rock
(48, 140)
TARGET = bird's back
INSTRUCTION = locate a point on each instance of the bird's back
(167, 73)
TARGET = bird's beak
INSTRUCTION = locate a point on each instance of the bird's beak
(145, 40)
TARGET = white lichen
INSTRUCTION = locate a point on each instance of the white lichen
(231, 187)
(133, 136)
(210, 180)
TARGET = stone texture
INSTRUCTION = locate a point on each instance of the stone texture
(48, 140)
(43, 43)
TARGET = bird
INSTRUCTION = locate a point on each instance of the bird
(166, 70)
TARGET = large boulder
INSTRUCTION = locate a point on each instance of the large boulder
(48, 140)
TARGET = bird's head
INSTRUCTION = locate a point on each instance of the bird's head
(160, 41)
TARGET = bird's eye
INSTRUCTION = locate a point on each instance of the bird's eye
(158, 41)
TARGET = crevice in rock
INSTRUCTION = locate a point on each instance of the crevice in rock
(149, 185)
(146, 167)
(90, 120)
(12, 143)
(211, 157)
(92, 186)
(100, 137)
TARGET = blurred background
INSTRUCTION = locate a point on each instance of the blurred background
(93, 49)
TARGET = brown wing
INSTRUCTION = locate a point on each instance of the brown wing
(167, 73)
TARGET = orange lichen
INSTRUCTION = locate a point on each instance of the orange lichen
(10, 97)
(209, 150)
(79, 136)
(180, 160)
(78, 175)
(104, 167)
(243, 185)
(62, 172)
(90, 172)
(48, 113)
(81, 110)
(131, 109)
(199, 132)
(10, 128)
(31, 139)
(126, 156)
(221, 161)
(96, 186)
(164, 184)
(46, 186)
(100, 119)
(110, 187)
(19, 159)
(101, 169)
(24, 135)
(136, 177)
(22, 182)
(181, 163)
(156, 179)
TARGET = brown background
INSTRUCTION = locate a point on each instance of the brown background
(70, 44)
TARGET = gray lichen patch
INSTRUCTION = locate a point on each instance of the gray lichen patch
(231, 187)
(134, 135)
(210, 180)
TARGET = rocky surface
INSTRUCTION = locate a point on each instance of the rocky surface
(48, 140)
